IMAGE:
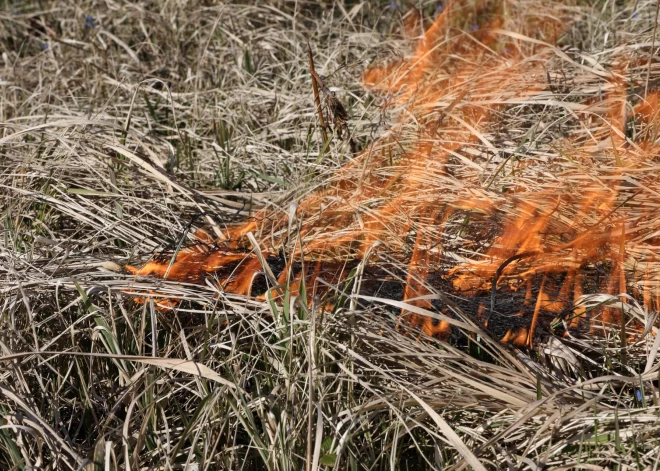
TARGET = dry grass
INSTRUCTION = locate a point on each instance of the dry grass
(126, 125)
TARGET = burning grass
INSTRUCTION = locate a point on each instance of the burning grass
(302, 303)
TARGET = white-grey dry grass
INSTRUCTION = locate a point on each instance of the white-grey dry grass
(123, 124)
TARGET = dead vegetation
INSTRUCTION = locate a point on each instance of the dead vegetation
(533, 130)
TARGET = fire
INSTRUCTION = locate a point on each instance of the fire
(440, 195)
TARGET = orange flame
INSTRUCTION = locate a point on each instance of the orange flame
(554, 230)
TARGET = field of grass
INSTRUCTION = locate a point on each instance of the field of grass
(125, 127)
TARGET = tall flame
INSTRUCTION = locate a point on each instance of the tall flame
(438, 190)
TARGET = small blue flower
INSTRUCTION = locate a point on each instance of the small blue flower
(474, 27)
(440, 8)
(635, 16)
(392, 6)
(638, 393)
(506, 51)
(89, 22)
(43, 46)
